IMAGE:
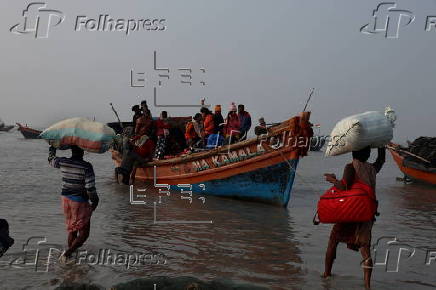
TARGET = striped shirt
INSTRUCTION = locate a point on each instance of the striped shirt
(78, 179)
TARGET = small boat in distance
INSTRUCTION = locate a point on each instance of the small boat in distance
(412, 170)
(27, 132)
(258, 169)
(6, 128)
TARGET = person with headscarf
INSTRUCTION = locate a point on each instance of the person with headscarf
(232, 125)
(218, 120)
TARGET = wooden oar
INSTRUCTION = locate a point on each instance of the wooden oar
(308, 100)
(116, 114)
(408, 153)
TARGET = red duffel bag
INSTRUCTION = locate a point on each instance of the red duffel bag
(358, 204)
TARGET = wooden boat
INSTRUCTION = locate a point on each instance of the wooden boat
(27, 132)
(412, 173)
(259, 169)
(6, 128)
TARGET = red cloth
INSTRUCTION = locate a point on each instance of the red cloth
(143, 126)
(233, 124)
(77, 214)
(146, 150)
(209, 124)
(160, 126)
(190, 131)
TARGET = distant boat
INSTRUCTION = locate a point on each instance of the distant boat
(5, 128)
(27, 132)
(412, 170)
(258, 169)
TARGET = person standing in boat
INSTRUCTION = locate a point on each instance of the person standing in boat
(357, 236)
(143, 140)
(244, 120)
(208, 123)
(78, 189)
(194, 131)
(162, 132)
(137, 110)
(232, 125)
(218, 120)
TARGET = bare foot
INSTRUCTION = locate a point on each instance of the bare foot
(325, 275)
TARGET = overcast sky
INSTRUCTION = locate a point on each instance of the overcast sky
(264, 54)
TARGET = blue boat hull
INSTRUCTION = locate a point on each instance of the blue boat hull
(272, 184)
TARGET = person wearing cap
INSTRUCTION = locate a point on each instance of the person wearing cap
(218, 120)
(232, 126)
(244, 120)
(261, 129)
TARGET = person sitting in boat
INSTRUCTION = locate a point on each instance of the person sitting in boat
(261, 129)
(357, 236)
(218, 120)
(232, 125)
(245, 122)
(162, 127)
(194, 131)
(5, 240)
(214, 141)
(208, 122)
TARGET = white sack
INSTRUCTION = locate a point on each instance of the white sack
(353, 133)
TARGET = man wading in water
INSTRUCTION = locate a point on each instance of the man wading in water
(357, 236)
(77, 189)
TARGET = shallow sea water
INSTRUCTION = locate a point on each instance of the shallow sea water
(247, 242)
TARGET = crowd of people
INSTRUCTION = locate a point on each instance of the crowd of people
(206, 130)
(151, 138)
